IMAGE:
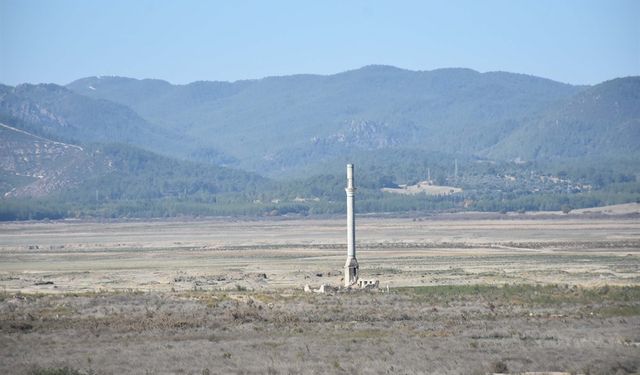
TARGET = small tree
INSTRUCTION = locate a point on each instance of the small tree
(565, 209)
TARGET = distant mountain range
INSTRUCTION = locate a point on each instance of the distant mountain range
(279, 123)
(297, 125)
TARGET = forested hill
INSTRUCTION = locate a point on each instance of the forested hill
(40, 177)
(114, 147)
(278, 123)
(601, 121)
(56, 112)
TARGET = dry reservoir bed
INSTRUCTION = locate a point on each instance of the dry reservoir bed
(213, 255)
(466, 296)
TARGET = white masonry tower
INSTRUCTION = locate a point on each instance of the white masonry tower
(351, 267)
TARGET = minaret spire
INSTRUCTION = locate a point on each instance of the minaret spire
(351, 266)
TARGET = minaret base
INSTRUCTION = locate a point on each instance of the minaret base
(351, 272)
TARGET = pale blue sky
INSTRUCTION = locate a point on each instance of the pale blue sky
(575, 41)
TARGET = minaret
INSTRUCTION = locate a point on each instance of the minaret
(351, 267)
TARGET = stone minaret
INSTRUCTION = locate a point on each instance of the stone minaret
(351, 267)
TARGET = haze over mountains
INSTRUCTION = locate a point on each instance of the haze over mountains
(304, 125)
(261, 124)
(280, 122)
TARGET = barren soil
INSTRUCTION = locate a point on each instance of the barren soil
(465, 296)
(213, 255)
(423, 187)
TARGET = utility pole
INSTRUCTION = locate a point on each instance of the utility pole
(455, 171)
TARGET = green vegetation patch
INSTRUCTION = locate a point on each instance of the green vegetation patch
(525, 294)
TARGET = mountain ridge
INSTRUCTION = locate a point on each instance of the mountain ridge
(56, 112)
(255, 119)
(573, 128)
(47, 167)
(509, 141)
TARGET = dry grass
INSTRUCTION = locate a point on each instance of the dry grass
(211, 297)
(443, 329)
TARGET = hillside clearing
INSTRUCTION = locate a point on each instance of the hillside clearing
(425, 187)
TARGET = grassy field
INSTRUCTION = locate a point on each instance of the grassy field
(466, 296)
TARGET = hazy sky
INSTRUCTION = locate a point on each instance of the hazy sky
(577, 41)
